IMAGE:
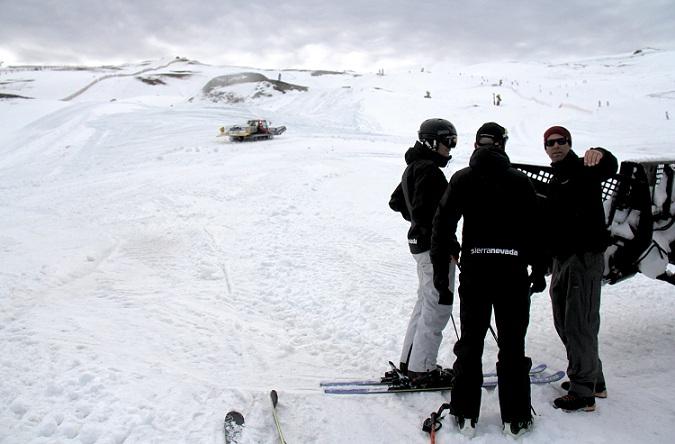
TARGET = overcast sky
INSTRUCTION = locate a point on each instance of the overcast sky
(359, 35)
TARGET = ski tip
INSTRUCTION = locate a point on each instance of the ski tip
(234, 417)
(274, 397)
(538, 368)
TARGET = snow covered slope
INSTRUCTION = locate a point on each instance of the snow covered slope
(155, 276)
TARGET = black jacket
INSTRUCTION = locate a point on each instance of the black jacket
(575, 214)
(417, 196)
(501, 217)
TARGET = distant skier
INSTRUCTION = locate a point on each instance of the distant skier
(416, 198)
(499, 240)
(579, 237)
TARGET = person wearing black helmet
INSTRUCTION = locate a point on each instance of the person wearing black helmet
(416, 198)
(499, 241)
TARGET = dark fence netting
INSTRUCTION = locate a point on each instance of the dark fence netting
(640, 214)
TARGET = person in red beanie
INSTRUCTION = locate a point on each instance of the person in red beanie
(576, 218)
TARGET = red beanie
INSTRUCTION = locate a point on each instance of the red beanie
(558, 130)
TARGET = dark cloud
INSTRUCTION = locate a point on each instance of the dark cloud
(296, 33)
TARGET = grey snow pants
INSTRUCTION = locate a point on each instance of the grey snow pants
(428, 319)
(575, 298)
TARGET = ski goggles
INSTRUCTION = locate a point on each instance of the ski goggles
(490, 139)
(560, 141)
(485, 140)
(449, 141)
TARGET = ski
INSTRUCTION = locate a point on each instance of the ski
(536, 378)
(234, 423)
(533, 371)
(372, 390)
(537, 369)
(275, 401)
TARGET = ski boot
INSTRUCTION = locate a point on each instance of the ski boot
(573, 403)
(518, 428)
(466, 426)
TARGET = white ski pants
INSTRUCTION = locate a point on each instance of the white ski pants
(428, 319)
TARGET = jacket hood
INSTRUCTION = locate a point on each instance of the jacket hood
(420, 152)
(489, 160)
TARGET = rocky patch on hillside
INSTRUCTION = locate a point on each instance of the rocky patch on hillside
(234, 88)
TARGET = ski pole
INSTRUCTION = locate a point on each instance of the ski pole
(451, 316)
(275, 400)
(455, 326)
(494, 335)
(432, 433)
(433, 423)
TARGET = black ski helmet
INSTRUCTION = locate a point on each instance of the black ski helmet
(433, 131)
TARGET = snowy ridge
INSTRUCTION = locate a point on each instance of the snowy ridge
(155, 276)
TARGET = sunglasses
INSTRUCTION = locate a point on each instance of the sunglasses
(561, 141)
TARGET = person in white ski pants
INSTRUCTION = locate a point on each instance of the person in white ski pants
(416, 198)
(428, 319)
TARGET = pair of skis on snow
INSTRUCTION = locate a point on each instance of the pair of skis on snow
(234, 422)
(372, 386)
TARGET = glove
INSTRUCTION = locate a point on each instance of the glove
(537, 283)
(445, 297)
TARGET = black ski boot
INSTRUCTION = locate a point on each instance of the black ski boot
(466, 426)
(573, 402)
(517, 428)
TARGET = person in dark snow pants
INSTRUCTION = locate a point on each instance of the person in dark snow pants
(575, 218)
(499, 241)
